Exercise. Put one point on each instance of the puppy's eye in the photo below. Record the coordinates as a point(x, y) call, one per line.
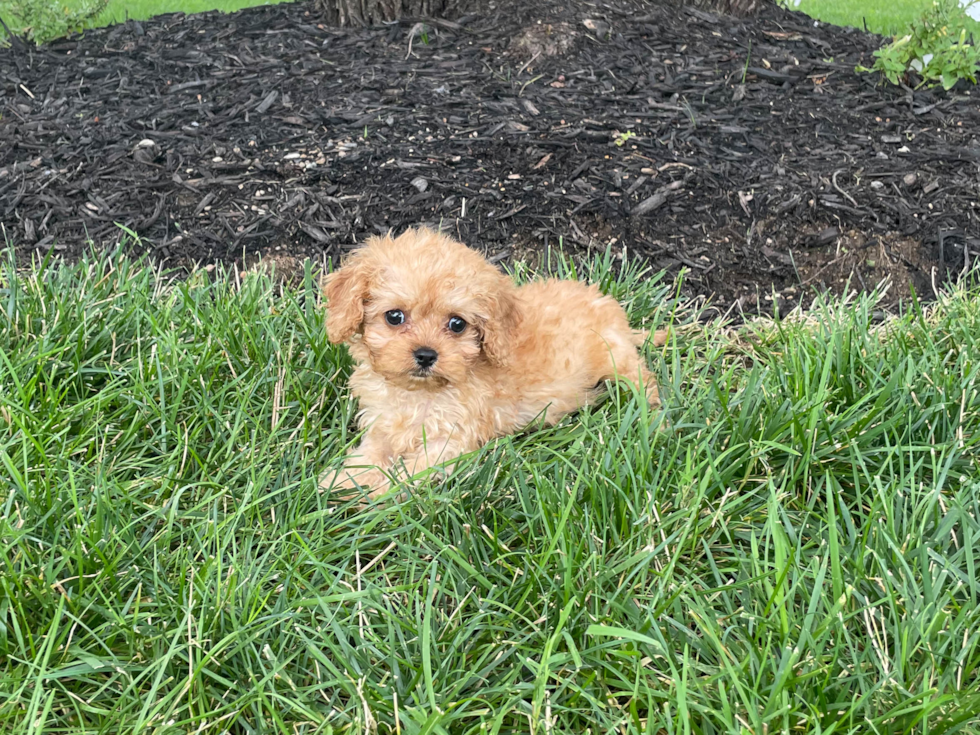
point(456, 325)
point(395, 317)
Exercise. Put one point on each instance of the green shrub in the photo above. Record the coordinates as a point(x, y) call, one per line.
point(44, 20)
point(936, 47)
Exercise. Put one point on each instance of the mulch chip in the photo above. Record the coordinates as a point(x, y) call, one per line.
point(748, 152)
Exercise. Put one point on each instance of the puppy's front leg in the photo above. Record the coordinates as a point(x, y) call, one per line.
point(434, 451)
point(364, 467)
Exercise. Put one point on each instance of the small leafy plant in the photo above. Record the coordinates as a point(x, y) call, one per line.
point(936, 47)
point(623, 138)
point(41, 21)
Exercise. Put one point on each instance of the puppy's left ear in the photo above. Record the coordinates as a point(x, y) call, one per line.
point(346, 290)
point(502, 320)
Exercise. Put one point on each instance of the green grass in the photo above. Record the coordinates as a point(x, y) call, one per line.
point(796, 551)
point(118, 11)
point(888, 18)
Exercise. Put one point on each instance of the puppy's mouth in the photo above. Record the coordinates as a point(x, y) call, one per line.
point(424, 374)
point(425, 377)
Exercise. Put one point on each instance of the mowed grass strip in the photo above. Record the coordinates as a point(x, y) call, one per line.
point(891, 18)
point(119, 11)
point(791, 547)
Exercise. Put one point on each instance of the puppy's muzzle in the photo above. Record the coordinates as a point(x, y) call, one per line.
point(425, 357)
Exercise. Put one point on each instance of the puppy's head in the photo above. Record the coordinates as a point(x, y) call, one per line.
point(422, 309)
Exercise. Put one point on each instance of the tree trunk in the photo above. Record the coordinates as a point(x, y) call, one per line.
point(738, 8)
point(372, 12)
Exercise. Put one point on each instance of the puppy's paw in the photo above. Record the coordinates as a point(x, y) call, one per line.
point(350, 483)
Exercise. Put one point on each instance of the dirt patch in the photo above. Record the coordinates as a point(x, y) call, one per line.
point(748, 152)
point(544, 39)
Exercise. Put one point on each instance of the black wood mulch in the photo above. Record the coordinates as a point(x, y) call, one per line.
point(264, 134)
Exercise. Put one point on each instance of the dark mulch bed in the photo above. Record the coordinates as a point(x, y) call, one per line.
point(265, 135)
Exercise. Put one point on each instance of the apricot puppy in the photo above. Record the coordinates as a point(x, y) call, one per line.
point(450, 353)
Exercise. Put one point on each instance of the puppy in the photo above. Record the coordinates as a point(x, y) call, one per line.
point(450, 353)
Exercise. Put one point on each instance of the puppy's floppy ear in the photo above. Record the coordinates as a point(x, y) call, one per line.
point(346, 291)
point(501, 321)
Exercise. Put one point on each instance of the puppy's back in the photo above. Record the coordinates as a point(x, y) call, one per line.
point(572, 337)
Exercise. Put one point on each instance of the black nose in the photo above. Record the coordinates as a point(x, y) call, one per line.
point(425, 357)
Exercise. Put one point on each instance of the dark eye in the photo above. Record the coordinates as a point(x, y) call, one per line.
point(456, 325)
point(395, 317)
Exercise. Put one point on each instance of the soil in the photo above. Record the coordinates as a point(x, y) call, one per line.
point(748, 152)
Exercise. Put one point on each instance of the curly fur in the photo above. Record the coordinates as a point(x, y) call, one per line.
point(534, 352)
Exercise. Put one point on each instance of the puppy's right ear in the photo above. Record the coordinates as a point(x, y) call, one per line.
point(346, 291)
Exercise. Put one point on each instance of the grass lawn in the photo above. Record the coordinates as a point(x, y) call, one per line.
point(118, 11)
point(888, 18)
point(796, 550)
